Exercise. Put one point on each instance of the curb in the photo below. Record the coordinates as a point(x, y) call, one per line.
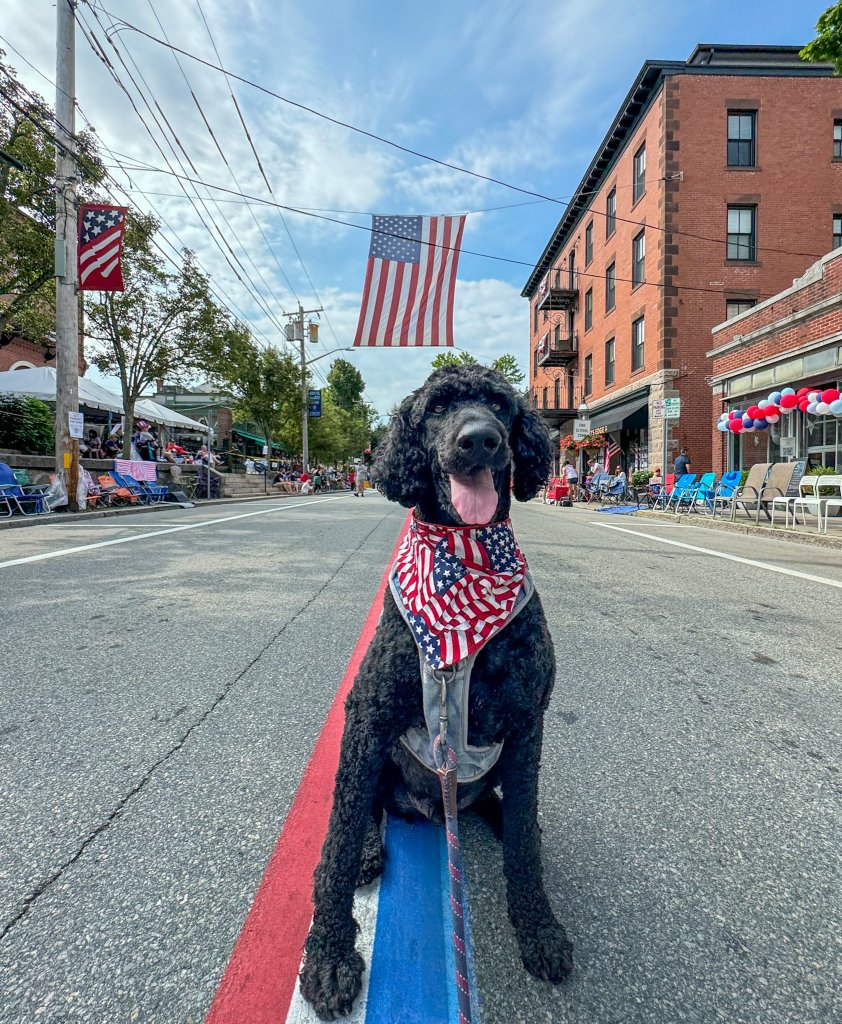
point(816, 540)
point(80, 517)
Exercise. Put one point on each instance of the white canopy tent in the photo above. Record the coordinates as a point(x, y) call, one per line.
point(40, 382)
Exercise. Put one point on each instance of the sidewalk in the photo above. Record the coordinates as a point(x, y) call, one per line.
point(802, 534)
point(55, 518)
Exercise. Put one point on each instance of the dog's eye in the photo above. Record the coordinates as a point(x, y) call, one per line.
point(496, 407)
point(438, 409)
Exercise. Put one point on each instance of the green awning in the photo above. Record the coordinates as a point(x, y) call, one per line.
point(256, 437)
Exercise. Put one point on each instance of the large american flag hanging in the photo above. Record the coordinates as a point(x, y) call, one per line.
point(612, 449)
point(458, 586)
point(409, 281)
point(100, 243)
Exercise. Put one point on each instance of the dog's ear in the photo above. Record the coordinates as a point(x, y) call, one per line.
point(531, 455)
point(401, 469)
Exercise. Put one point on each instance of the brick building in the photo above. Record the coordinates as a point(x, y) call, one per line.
point(718, 182)
point(793, 339)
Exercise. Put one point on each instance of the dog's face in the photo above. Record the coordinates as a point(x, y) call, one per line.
point(455, 445)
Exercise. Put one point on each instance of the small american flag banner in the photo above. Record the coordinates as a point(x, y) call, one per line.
point(100, 243)
point(612, 449)
point(409, 281)
point(458, 586)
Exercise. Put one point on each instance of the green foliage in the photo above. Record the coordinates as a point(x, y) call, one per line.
point(269, 394)
point(346, 385)
point(338, 435)
point(827, 46)
point(164, 325)
point(448, 358)
point(27, 206)
point(641, 477)
point(823, 471)
point(508, 367)
point(26, 425)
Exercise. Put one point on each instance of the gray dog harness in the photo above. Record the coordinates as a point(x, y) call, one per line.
point(446, 696)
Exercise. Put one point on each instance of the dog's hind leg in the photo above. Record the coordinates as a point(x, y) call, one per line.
point(489, 807)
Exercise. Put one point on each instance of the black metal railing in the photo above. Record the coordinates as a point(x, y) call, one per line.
point(557, 351)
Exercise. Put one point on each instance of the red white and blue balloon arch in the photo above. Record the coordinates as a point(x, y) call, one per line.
point(816, 402)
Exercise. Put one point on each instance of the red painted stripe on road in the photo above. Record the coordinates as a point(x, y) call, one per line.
point(261, 975)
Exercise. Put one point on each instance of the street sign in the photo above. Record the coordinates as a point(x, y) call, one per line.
point(666, 408)
point(581, 429)
point(658, 409)
point(314, 404)
point(76, 423)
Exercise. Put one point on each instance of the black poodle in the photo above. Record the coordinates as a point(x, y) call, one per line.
point(455, 449)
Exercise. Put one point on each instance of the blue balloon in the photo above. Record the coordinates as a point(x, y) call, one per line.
point(787, 391)
point(760, 424)
point(836, 407)
point(737, 414)
point(748, 421)
point(775, 397)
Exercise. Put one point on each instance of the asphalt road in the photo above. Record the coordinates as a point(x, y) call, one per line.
point(160, 697)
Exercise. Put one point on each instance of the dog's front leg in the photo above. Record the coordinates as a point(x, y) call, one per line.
point(544, 946)
point(377, 712)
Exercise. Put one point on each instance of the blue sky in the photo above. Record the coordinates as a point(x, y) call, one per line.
point(519, 91)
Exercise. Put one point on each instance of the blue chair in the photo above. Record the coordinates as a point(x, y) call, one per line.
point(15, 495)
point(133, 487)
point(155, 491)
point(699, 493)
point(683, 484)
point(723, 492)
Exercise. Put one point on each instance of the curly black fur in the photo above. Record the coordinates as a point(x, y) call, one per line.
point(510, 689)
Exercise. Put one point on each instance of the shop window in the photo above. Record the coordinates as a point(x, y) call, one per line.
point(611, 212)
point(741, 138)
point(742, 233)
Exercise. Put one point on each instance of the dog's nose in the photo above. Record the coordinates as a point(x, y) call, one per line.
point(478, 439)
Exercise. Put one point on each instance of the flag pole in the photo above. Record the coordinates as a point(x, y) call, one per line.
point(66, 245)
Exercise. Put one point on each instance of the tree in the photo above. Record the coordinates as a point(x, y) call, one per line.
point(163, 325)
point(27, 207)
point(507, 366)
point(26, 425)
point(346, 385)
point(447, 358)
point(269, 389)
point(827, 46)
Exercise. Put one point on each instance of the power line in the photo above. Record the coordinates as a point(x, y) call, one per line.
point(426, 156)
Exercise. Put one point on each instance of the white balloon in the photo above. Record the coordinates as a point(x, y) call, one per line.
point(836, 407)
point(812, 407)
point(772, 419)
point(822, 408)
point(813, 396)
point(787, 391)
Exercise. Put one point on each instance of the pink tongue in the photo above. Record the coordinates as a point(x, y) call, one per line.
point(474, 497)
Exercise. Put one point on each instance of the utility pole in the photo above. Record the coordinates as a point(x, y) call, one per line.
point(297, 333)
point(66, 246)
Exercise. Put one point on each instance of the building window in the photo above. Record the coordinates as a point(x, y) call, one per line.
point(535, 363)
point(589, 309)
point(637, 345)
point(837, 140)
point(557, 392)
point(589, 243)
point(742, 242)
point(544, 395)
point(837, 230)
point(610, 282)
point(639, 179)
point(733, 307)
point(588, 374)
point(639, 259)
point(611, 213)
point(741, 135)
point(609, 361)
point(535, 315)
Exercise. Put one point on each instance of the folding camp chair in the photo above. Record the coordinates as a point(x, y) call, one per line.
point(111, 487)
point(132, 485)
point(723, 492)
point(683, 486)
point(776, 485)
point(748, 496)
point(19, 497)
point(700, 494)
point(154, 492)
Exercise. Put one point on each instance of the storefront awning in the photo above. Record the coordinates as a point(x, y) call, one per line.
point(257, 438)
point(614, 415)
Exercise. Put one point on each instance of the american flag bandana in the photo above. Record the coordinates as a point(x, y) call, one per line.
point(458, 586)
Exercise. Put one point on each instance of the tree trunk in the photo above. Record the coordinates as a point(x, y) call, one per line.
point(128, 430)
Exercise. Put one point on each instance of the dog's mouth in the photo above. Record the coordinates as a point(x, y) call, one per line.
point(474, 496)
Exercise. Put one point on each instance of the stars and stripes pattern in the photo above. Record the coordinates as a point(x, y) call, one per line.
point(410, 281)
point(100, 244)
point(458, 586)
point(612, 449)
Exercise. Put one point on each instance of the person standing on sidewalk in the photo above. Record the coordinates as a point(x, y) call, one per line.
point(682, 464)
point(572, 478)
point(361, 478)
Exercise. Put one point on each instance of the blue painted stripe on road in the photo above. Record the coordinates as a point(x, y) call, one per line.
point(409, 975)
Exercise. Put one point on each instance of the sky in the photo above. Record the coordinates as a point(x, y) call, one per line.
point(520, 91)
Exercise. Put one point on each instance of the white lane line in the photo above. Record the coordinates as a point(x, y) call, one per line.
point(155, 533)
point(730, 558)
point(661, 526)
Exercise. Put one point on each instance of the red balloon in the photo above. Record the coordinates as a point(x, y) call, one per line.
point(789, 401)
point(801, 392)
point(830, 395)
point(802, 405)
point(754, 412)
point(770, 410)
point(732, 415)
point(736, 426)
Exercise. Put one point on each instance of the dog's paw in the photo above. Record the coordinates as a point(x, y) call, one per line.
point(371, 863)
point(331, 984)
point(546, 951)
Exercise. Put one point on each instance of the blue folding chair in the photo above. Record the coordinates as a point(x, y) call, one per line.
point(133, 487)
point(155, 491)
point(666, 501)
point(17, 496)
point(698, 493)
point(723, 492)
